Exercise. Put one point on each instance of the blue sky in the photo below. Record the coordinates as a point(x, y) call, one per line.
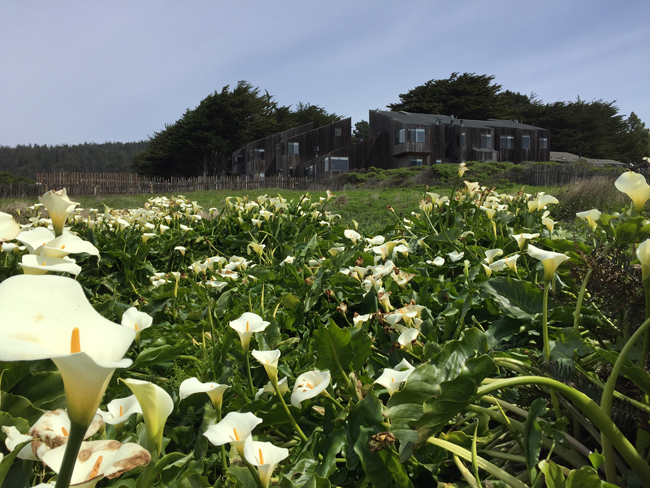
point(79, 71)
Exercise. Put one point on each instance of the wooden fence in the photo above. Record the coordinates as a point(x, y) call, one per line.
point(132, 184)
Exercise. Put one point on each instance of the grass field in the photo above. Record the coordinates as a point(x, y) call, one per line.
point(368, 207)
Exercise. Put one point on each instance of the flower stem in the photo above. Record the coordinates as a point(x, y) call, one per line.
point(76, 437)
point(248, 370)
point(547, 349)
point(332, 399)
point(300, 433)
point(224, 461)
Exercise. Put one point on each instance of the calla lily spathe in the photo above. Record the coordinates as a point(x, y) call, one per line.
point(247, 325)
point(9, 228)
point(392, 379)
point(53, 429)
point(591, 216)
point(14, 438)
point(265, 456)
point(49, 317)
point(308, 385)
point(234, 429)
point(269, 359)
point(550, 260)
point(634, 185)
point(136, 320)
point(59, 206)
point(98, 460)
point(40, 265)
point(156, 406)
point(643, 253)
point(214, 390)
point(120, 409)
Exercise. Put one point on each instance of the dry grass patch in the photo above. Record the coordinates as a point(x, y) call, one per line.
point(597, 192)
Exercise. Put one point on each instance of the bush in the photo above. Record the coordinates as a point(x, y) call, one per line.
point(8, 178)
point(597, 192)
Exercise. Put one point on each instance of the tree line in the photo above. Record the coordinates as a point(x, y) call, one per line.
point(28, 160)
point(202, 140)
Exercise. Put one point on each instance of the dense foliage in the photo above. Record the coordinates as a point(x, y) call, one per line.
point(473, 341)
point(109, 157)
point(202, 141)
point(589, 129)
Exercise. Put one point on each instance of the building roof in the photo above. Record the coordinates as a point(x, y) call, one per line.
point(431, 119)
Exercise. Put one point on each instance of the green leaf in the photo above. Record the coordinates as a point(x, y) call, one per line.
point(290, 301)
point(585, 477)
point(8, 460)
point(160, 354)
point(368, 412)
point(19, 407)
point(7, 420)
point(317, 482)
point(552, 474)
point(42, 388)
point(520, 299)
point(382, 467)
point(533, 437)
point(446, 236)
point(334, 351)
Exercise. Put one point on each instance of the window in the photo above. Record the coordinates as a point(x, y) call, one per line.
point(415, 135)
point(506, 142)
point(337, 131)
point(416, 162)
point(340, 164)
point(293, 148)
point(324, 165)
point(258, 154)
point(525, 142)
point(462, 140)
point(486, 141)
point(438, 161)
point(400, 136)
point(543, 143)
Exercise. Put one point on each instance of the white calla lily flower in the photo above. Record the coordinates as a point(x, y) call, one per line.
point(522, 238)
point(120, 409)
point(455, 256)
point(247, 325)
point(9, 228)
point(49, 317)
point(35, 238)
point(65, 244)
point(634, 185)
point(643, 253)
point(14, 438)
point(59, 206)
point(234, 429)
point(352, 235)
point(392, 379)
point(407, 337)
point(308, 385)
point(214, 390)
point(591, 216)
point(99, 459)
point(52, 430)
point(265, 456)
point(136, 320)
point(33, 264)
point(490, 254)
point(269, 359)
point(550, 260)
point(156, 406)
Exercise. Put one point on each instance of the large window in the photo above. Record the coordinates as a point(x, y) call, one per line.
point(543, 143)
point(462, 140)
point(507, 142)
point(293, 148)
point(415, 135)
point(416, 162)
point(340, 164)
point(258, 153)
point(400, 136)
point(525, 142)
point(486, 141)
point(337, 131)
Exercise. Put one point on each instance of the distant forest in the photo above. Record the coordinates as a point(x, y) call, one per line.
point(109, 157)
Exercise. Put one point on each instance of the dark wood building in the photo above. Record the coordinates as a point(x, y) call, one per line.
point(424, 140)
point(397, 140)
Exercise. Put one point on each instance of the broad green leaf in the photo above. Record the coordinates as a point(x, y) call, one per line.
point(552, 474)
point(20, 407)
point(369, 413)
point(161, 354)
point(446, 236)
point(42, 388)
point(585, 477)
point(533, 437)
point(516, 295)
point(334, 351)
